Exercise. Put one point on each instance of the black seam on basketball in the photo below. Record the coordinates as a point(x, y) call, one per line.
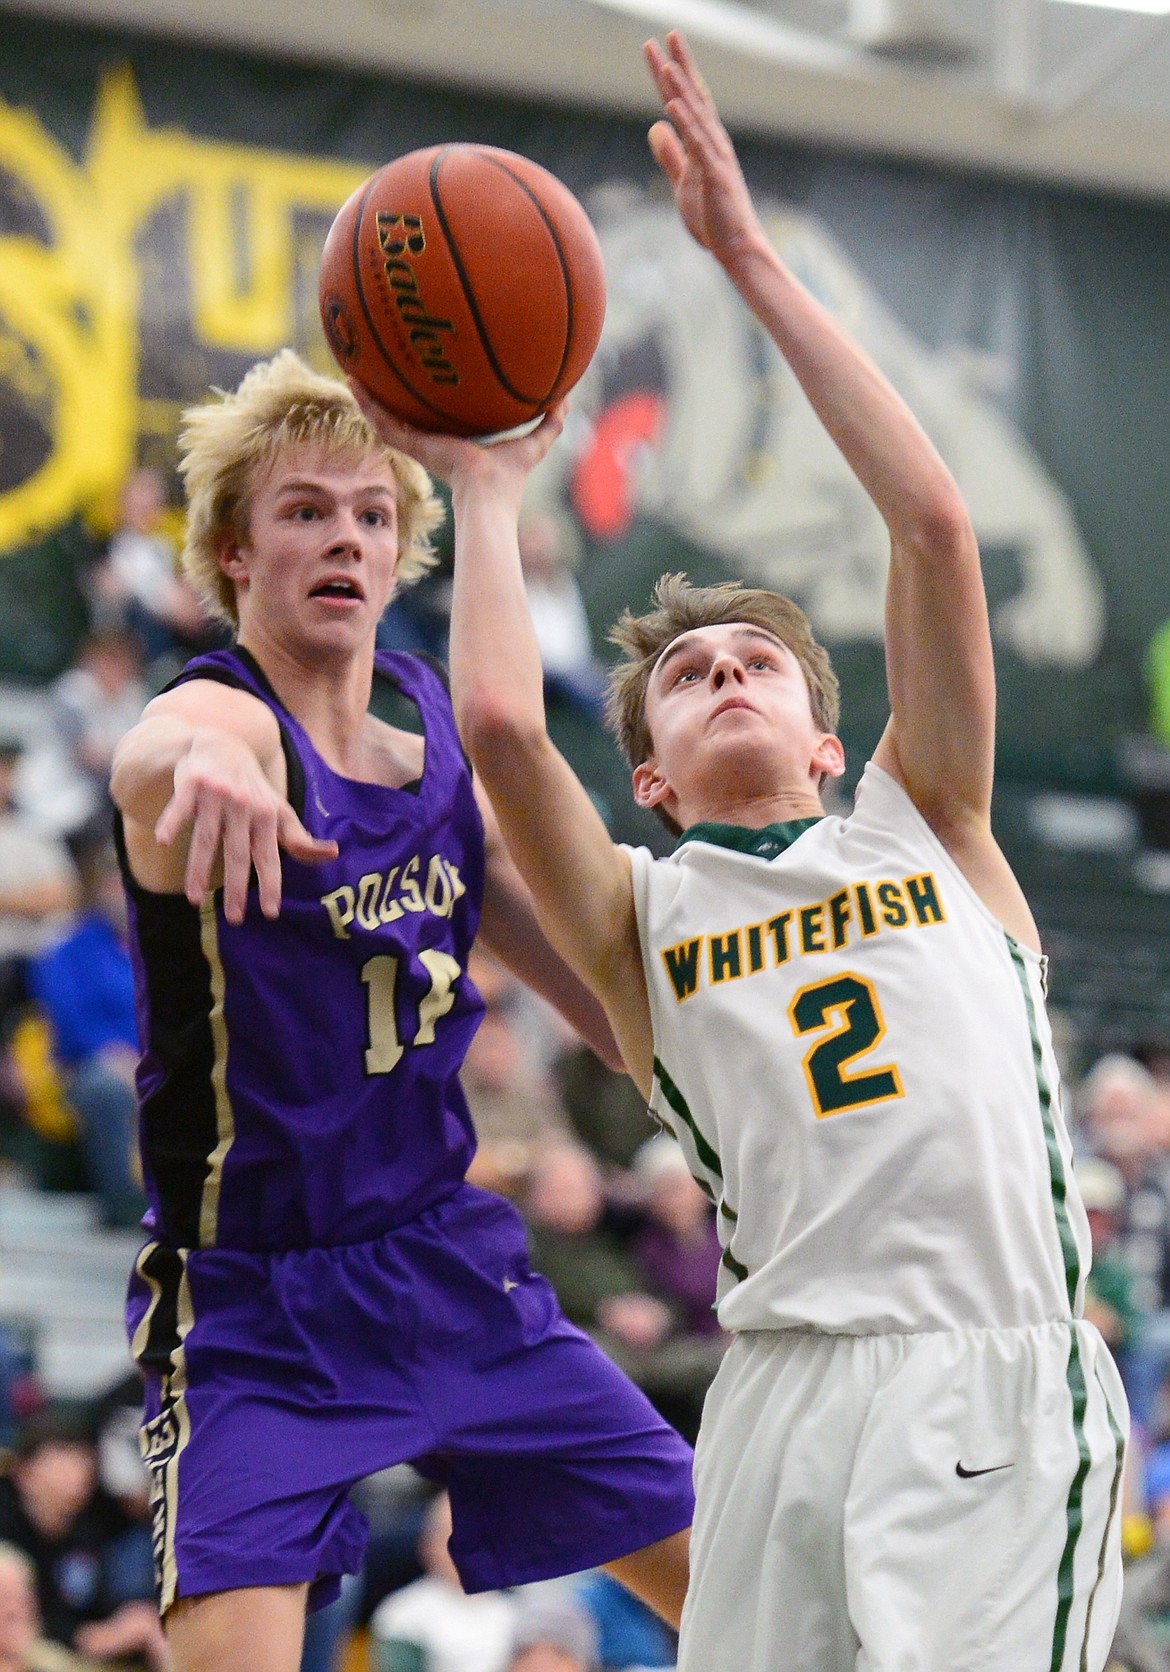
point(465, 282)
point(447, 417)
point(496, 162)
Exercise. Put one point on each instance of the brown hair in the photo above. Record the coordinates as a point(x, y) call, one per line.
point(226, 443)
point(678, 608)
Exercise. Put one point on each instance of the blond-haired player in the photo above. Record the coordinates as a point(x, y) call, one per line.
point(911, 1454)
point(322, 1294)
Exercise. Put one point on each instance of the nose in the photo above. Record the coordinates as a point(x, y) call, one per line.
point(348, 536)
point(725, 667)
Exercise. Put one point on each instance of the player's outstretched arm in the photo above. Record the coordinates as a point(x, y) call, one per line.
point(580, 882)
point(939, 650)
point(200, 783)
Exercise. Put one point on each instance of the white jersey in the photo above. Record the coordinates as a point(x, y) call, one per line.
point(855, 1058)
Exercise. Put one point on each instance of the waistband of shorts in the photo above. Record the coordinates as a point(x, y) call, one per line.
point(261, 1251)
point(810, 1332)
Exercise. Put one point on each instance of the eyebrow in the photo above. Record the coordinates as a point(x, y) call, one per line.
point(679, 646)
point(298, 484)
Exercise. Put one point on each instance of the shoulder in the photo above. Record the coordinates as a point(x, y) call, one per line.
point(220, 695)
point(405, 666)
point(232, 666)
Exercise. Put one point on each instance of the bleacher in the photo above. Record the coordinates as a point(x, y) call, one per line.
point(62, 1285)
point(1102, 903)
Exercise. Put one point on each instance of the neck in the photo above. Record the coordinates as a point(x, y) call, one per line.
point(329, 695)
point(753, 812)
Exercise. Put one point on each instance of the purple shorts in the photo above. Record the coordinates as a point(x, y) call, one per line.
point(275, 1381)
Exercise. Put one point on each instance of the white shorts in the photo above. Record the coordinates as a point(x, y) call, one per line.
point(908, 1503)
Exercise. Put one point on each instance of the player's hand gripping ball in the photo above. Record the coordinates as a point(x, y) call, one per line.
point(464, 287)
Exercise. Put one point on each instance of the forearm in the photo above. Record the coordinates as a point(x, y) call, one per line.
point(142, 778)
point(509, 927)
point(880, 438)
point(497, 681)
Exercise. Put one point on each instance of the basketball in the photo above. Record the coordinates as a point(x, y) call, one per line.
point(464, 287)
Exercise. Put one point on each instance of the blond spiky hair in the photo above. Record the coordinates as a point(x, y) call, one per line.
point(678, 608)
point(226, 443)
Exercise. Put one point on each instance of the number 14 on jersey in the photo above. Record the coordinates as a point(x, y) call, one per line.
point(380, 975)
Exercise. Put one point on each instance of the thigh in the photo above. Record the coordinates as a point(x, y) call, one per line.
point(982, 1522)
point(257, 1630)
point(265, 1402)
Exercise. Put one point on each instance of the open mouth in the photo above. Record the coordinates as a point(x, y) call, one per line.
point(338, 587)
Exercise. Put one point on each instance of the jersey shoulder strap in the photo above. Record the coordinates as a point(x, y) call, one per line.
point(238, 668)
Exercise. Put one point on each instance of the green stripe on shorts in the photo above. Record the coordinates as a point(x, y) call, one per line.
point(1114, 1494)
point(1075, 1510)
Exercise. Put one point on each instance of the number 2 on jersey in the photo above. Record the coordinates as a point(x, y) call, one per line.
point(380, 975)
point(848, 1004)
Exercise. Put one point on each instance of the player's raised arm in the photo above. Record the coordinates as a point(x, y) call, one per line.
point(510, 928)
point(580, 882)
point(200, 783)
point(941, 737)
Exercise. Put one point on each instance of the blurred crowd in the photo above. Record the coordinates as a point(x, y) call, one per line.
point(616, 1223)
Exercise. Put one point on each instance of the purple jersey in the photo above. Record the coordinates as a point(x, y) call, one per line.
point(299, 1078)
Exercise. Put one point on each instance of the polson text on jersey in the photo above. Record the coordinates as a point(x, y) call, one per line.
point(854, 913)
point(381, 897)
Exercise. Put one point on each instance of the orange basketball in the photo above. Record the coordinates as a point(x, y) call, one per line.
point(464, 286)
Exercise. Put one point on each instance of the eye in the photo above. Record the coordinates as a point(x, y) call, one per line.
point(376, 517)
point(760, 660)
point(684, 675)
point(304, 513)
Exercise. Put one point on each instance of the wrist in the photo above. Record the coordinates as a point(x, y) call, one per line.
point(749, 252)
point(483, 483)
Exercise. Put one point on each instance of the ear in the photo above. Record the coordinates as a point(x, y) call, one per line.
point(828, 757)
point(231, 559)
point(650, 787)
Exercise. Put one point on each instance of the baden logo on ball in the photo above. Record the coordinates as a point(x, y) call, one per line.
point(464, 286)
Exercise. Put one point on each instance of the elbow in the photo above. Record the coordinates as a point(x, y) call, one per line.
point(498, 732)
point(120, 779)
point(941, 527)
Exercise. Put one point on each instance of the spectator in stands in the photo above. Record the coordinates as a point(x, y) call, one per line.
point(129, 1564)
point(606, 1110)
point(38, 886)
point(22, 1648)
point(137, 585)
point(514, 1108)
point(85, 986)
point(553, 1633)
point(53, 1508)
point(1138, 1644)
point(577, 1240)
point(547, 556)
point(596, 1281)
point(678, 1249)
point(432, 1625)
point(677, 1252)
point(1121, 1112)
point(92, 704)
point(1109, 1301)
